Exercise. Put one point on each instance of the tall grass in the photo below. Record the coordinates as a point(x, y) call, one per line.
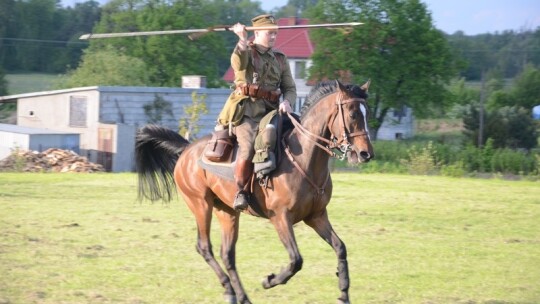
point(83, 238)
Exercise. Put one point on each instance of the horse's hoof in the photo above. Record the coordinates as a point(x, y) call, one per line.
point(266, 282)
point(231, 299)
point(340, 301)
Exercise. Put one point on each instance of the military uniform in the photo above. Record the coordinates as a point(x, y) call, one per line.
point(269, 70)
point(273, 73)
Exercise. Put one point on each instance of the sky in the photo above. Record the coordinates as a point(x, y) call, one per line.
point(470, 16)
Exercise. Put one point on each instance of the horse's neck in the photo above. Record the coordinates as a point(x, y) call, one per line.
point(310, 156)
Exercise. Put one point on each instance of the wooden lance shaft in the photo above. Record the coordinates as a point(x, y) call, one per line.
point(218, 29)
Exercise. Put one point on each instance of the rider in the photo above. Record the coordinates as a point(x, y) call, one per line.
point(261, 75)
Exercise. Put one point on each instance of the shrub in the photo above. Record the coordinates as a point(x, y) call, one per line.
point(456, 169)
point(422, 161)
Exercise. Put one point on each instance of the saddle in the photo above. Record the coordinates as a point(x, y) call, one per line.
point(219, 156)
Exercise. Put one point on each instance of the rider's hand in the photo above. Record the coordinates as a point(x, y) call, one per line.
point(240, 30)
point(285, 107)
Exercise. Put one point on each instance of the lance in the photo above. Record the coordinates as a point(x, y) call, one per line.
point(197, 32)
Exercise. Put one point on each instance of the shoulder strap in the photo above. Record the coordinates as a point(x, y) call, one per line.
point(280, 58)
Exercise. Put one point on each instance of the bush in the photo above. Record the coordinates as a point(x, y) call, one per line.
point(513, 162)
point(415, 157)
point(422, 161)
point(456, 169)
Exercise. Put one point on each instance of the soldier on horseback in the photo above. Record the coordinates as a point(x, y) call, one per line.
point(261, 75)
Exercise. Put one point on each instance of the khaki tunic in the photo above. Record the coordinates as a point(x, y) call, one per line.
point(245, 112)
point(273, 72)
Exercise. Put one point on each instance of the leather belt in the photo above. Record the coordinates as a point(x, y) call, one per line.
point(253, 90)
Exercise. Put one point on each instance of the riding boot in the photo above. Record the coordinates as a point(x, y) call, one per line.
point(242, 175)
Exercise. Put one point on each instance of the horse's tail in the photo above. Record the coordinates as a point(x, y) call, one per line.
point(156, 151)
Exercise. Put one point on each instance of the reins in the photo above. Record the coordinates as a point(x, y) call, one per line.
point(343, 145)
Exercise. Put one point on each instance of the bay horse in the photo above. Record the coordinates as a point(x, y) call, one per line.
point(333, 119)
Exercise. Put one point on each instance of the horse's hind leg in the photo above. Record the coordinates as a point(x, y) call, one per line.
point(203, 215)
point(229, 221)
point(322, 226)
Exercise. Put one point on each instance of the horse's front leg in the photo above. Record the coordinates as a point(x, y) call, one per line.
point(322, 226)
point(284, 228)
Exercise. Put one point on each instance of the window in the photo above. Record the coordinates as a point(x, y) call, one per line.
point(299, 69)
point(77, 111)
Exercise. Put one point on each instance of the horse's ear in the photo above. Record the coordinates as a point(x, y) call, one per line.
point(339, 85)
point(365, 86)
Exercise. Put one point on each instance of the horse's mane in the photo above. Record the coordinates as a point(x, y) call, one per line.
point(325, 88)
point(321, 90)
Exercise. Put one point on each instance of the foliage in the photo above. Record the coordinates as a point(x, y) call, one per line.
point(456, 169)
point(167, 57)
point(525, 91)
point(41, 36)
point(508, 52)
point(397, 46)
point(421, 157)
point(297, 8)
point(107, 66)
point(511, 127)
point(421, 161)
point(463, 94)
point(188, 125)
point(156, 110)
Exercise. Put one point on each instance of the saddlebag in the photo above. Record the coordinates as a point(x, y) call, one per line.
point(219, 147)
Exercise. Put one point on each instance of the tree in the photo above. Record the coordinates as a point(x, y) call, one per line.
point(41, 36)
point(507, 52)
point(409, 61)
point(525, 91)
point(167, 57)
point(188, 125)
point(107, 66)
point(507, 127)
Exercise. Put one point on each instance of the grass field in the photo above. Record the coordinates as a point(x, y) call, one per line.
point(30, 82)
point(83, 238)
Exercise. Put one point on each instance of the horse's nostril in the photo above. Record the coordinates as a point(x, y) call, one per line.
point(365, 155)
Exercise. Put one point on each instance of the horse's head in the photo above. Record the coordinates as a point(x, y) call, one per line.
point(348, 124)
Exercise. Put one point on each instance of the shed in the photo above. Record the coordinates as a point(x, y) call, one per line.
point(107, 118)
point(35, 139)
point(397, 124)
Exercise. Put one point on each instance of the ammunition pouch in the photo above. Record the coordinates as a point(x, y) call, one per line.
point(253, 90)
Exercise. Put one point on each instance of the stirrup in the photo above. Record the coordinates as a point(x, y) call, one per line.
point(241, 200)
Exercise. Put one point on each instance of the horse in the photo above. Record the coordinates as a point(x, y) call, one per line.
point(333, 124)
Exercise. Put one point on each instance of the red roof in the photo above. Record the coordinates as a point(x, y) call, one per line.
point(294, 43)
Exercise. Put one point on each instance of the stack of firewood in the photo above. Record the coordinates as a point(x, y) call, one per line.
point(50, 160)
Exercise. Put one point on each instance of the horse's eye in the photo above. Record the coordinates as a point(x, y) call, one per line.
point(353, 114)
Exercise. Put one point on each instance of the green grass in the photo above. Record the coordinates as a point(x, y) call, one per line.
point(30, 82)
point(83, 238)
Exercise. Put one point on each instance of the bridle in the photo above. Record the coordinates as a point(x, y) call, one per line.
point(334, 143)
